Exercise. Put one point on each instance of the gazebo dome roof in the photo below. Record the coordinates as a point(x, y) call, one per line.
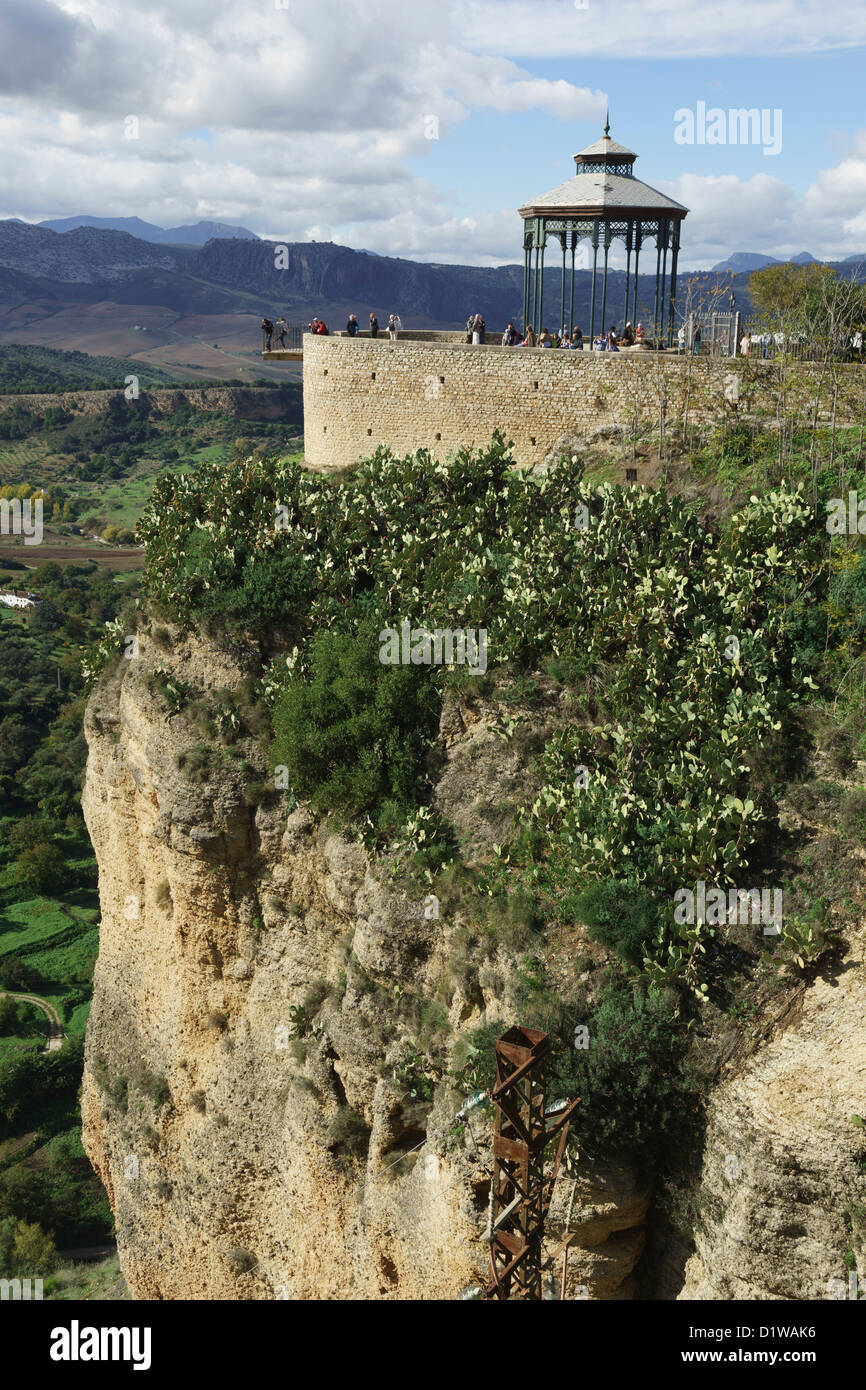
point(598, 190)
point(604, 183)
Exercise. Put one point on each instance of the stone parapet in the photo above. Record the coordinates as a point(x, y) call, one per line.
point(409, 394)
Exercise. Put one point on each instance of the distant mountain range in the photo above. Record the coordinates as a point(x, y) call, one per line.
point(102, 290)
point(746, 261)
point(244, 274)
point(196, 234)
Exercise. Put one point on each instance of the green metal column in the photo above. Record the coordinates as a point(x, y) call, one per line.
point(673, 298)
point(535, 283)
point(563, 236)
point(604, 281)
point(627, 273)
point(658, 269)
point(540, 324)
point(664, 274)
point(594, 267)
point(636, 263)
point(571, 301)
point(527, 275)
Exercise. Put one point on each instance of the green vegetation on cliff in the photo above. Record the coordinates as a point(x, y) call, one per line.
point(684, 644)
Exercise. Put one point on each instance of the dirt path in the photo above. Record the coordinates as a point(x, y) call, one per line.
point(55, 1039)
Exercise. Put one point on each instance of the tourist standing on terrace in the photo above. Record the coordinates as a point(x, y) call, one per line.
point(374, 326)
point(282, 330)
point(352, 326)
point(268, 330)
point(479, 328)
point(394, 326)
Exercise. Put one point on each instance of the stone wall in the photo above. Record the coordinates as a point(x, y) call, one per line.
point(359, 393)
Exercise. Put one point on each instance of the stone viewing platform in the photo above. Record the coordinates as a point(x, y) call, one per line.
point(442, 394)
point(435, 337)
point(431, 389)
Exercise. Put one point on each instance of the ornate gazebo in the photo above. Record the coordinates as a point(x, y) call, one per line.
point(601, 202)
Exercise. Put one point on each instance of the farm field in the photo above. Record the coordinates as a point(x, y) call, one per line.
point(96, 473)
point(191, 347)
point(100, 469)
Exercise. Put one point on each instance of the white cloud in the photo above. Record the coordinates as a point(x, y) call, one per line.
point(652, 28)
point(302, 121)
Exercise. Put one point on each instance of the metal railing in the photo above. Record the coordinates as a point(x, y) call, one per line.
point(719, 333)
point(289, 339)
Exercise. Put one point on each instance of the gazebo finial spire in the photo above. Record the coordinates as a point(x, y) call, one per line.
point(607, 124)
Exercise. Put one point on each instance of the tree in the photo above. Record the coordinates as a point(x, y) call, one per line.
point(785, 297)
point(16, 974)
point(46, 617)
point(42, 868)
point(10, 1018)
point(31, 831)
point(33, 1250)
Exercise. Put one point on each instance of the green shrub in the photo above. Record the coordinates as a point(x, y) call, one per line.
point(853, 815)
point(353, 732)
point(175, 692)
point(634, 1089)
point(348, 1132)
point(473, 1059)
point(621, 917)
point(25, 1249)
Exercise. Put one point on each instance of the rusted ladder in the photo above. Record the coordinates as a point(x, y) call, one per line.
point(521, 1194)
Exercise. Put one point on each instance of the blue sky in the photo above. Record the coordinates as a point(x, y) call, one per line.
point(309, 121)
point(512, 156)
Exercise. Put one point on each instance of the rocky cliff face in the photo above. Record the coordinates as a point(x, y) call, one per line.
point(245, 1162)
point(241, 1162)
point(781, 1202)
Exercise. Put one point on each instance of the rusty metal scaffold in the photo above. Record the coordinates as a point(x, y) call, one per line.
point(520, 1192)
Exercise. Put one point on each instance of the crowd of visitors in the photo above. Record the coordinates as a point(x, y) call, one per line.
point(476, 331)
point(751, 344)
